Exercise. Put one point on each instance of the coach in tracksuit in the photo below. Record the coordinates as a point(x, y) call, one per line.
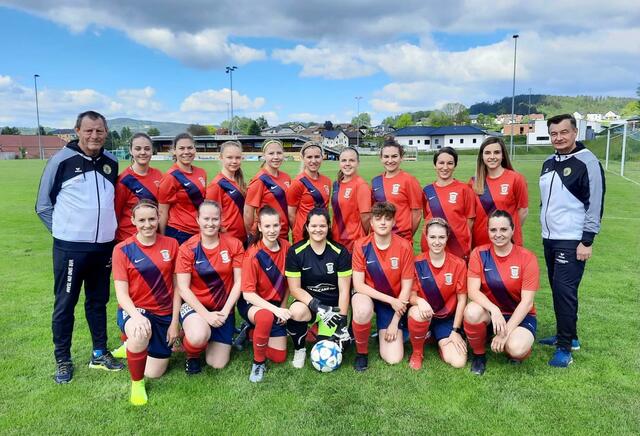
point(76, 204)
point(572, 191)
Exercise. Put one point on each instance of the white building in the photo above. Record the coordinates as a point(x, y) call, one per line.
point(432, 138)
point(540, 135)
point(594, 117)
point(611, 116)
point(334, 139)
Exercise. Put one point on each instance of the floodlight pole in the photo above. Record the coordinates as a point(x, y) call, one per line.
point(229, 71)
point(606, 157)
point(624, 148)
point(35, 85)
point(358, 121)
point(513, 92)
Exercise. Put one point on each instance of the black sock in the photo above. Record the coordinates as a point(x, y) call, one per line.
point(298, 332)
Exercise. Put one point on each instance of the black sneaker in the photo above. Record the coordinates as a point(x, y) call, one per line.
point(478, 364)
point(193, 366)
point(64, 372)
point(361, 363)
point(106, 361)
point(241, 338)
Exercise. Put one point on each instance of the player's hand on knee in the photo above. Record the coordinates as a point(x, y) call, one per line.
point(498, 322)
point(173, 332)
point(400, 307)
point(424, 309)
point(141, 327)
point(282, 314)
point(392, 332)
point(498, 342)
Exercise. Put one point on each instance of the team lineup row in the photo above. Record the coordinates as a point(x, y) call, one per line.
point(367, 251)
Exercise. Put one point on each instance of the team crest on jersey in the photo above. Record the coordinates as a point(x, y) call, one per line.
point(448, 278)
point(157, 183)
point(453, 196)
point(202, 181)
point(566, 171)
point(347, 193)
point(287, 184)
point(326, 189)
point(165, 255)
point(504, 189)
point(330, 268)
point(224, 255)
point(515, 272)
point(106, 168)
point(395, 263)
point(395, 189)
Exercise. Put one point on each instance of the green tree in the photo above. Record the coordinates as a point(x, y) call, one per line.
point(254, 129)
point(631, 109)
point(153, 132)
point(403, 120)
point(439, 119)
point(262, 122)
point(389, 121)
point(125, 136)
point(328, 125)
point(211, 129)
point(364, 119)
point(197, 130)
point(10, 131)
point(113, 140)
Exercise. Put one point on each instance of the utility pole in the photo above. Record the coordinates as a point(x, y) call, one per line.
point(513, 91)
point(35, 85)
point(229, 70)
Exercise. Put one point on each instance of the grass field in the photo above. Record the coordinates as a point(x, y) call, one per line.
point(598, 394)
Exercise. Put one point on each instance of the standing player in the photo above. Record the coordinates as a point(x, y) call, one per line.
point(149, 308)
point(76, 204)
point(228, 189)
point(181, 192)
point(137, 182)
point(269, 188)
point(319, 275)
point(438, 299)
point(350, 201)
point(209, 268)
point(398, 188)
point(265, 293)
point(309, 189)
point(451, 200)
point(502, 282)
point(497, 186)
point(572, 190)
point(382, 279)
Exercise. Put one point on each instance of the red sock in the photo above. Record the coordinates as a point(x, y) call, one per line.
point(477, 336)
point(418, 334)
point(361, 333)
point(192, 351)
point(264, 320)
point(136, 363)
point(275, 355)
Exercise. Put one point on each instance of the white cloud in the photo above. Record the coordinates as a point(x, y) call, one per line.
point(212, 100)
point(327, 62)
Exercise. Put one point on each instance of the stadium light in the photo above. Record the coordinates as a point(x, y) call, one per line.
point(358, 121)
point(35, 85)
point(513, 92)
point(229, 70)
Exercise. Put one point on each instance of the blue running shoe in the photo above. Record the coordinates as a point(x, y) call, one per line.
point(64, 372)
point(553, 341)
point(561, 358)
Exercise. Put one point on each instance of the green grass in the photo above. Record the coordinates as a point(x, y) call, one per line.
point(599, 393)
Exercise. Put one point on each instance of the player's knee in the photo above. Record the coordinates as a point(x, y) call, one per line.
point(518, 350)
point(198, 337)
point(414, 313)
point(473, 313)
point(393, 359)
point(457, 360)
point(217, 363)
point(361, 313)
point(154, 372)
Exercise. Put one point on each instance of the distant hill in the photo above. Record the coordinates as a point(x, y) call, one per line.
point(165, 128)
point(551, 105)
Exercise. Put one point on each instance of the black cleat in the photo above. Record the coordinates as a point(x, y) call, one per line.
point(478, 364)
point(241, 338)
point(192, 366)
point(361, 363)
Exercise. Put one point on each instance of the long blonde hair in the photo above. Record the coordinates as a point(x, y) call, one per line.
point(481, 168)
point(238, 176)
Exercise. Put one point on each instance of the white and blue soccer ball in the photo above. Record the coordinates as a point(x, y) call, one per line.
point(326, 356)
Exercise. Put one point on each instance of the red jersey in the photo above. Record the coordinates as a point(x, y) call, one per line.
point(441, 286)
point(131, 188)
point(384, 269)
point(504, 278)
point(306, 194)
point(263, 271)
point(183, 192)
point(211, 270)
point(231, 199)
point(349, 200)
point(267, 190)
point(148, 271)
point(456, 204)
point(506, 192)
point(403, 191)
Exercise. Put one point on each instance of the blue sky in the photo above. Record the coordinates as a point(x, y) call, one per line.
point(306, 61)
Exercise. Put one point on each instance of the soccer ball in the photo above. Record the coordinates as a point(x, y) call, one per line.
point(326, 356)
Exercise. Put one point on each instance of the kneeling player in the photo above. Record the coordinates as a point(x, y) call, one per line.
point(319, 275)
point(382, 279)
point(149, 308)
point(208, 273)
point(438, 299)
point(502, 282)
point(265, 293)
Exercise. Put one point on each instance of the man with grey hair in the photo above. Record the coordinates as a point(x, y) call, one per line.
point(76, 204)
point(572, 188)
